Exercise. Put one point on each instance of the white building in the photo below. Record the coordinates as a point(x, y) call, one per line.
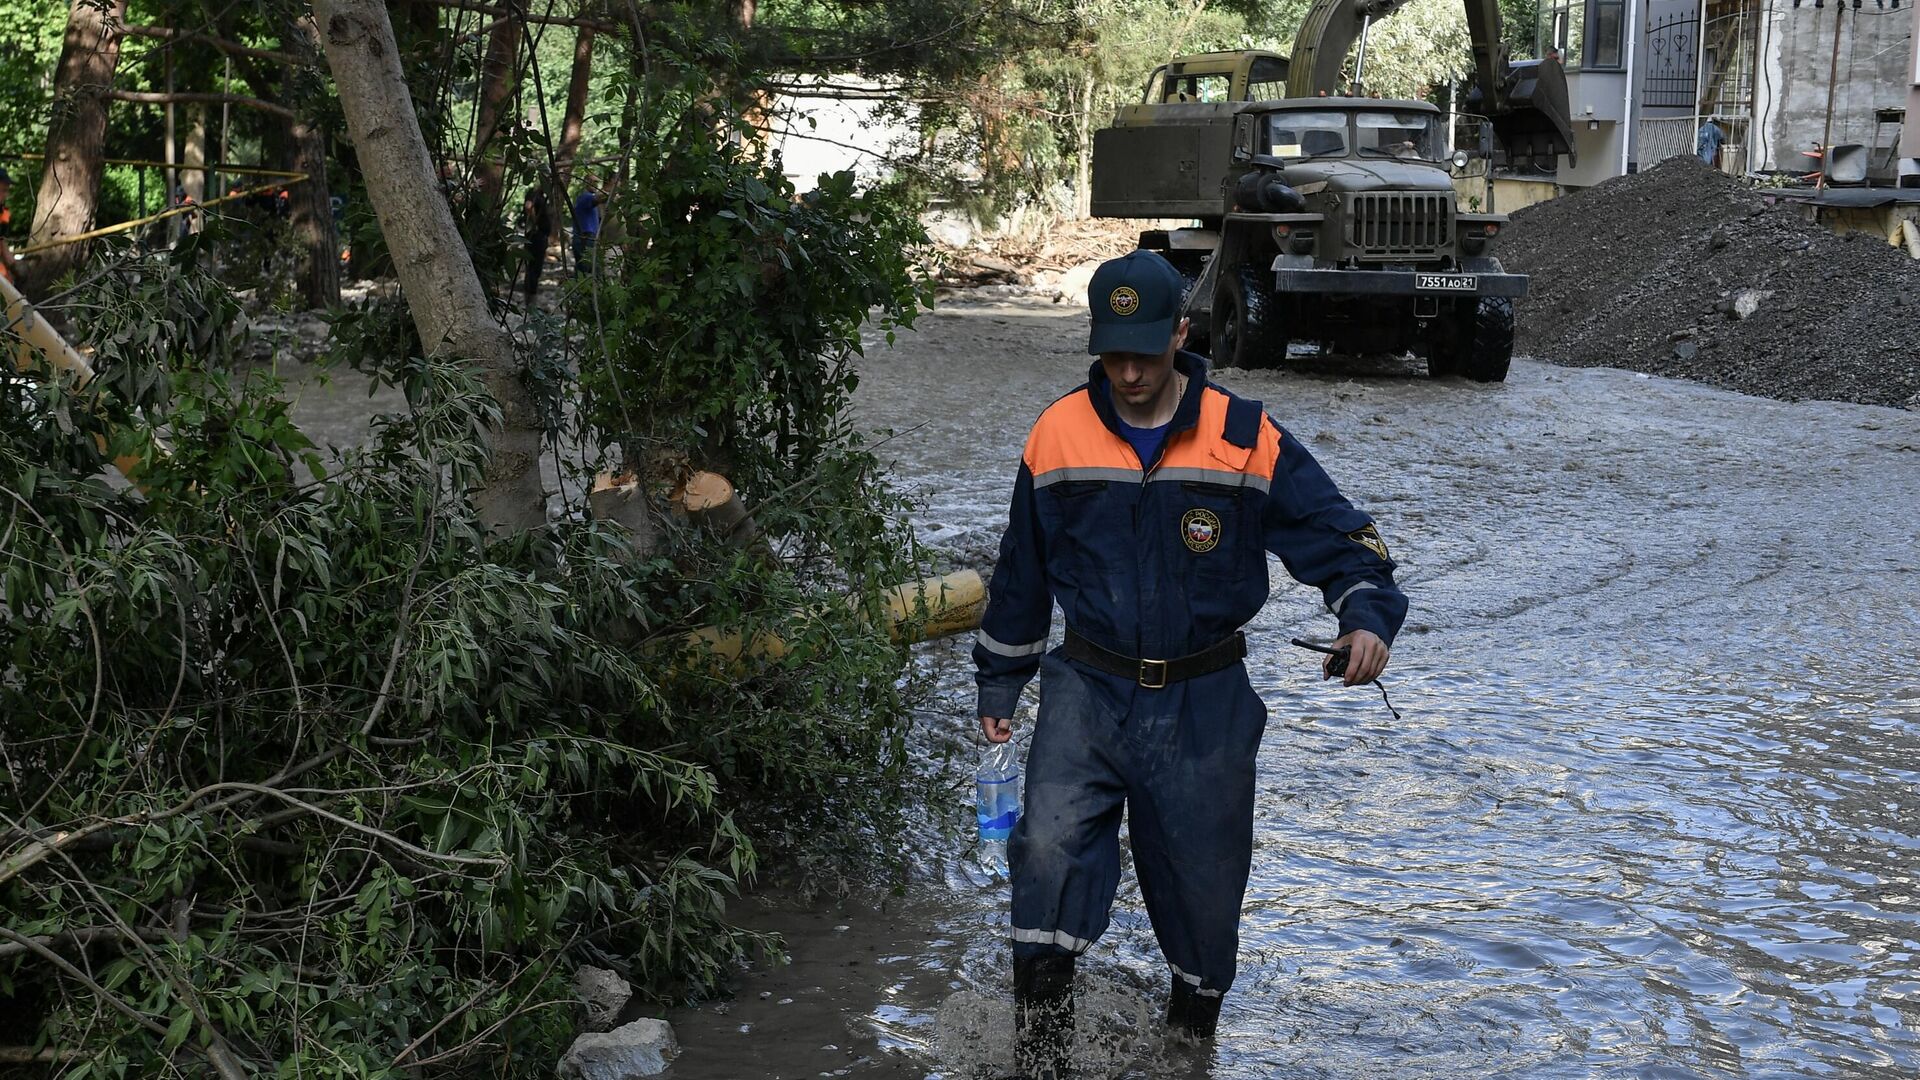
point(1644, 75)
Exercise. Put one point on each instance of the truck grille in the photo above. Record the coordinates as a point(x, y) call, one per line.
point(1396, 224)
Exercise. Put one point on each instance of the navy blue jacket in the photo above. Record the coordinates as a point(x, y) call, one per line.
point(1162, 561)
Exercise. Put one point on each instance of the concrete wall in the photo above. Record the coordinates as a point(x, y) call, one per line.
point(823, 135)
point(1600, 149)
point(1501, 194)
point(1910, 132)
point(1875, 71)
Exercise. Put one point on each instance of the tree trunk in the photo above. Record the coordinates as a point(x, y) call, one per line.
point(70, 183)
point(1083, 164)
point(193, 154)
point(311, 209)
point(311, 216)
point(166, 122)
point(574, 122)
point(436, 274)
point(496, 94)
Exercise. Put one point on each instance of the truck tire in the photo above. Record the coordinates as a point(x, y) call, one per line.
point(1475, 340)
point(1490, 352)
point(1246, 331)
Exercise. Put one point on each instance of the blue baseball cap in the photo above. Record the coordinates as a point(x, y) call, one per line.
point(1135, 304)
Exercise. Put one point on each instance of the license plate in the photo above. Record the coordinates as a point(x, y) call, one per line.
point(1446, 282)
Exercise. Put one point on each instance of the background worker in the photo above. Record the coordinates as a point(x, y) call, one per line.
point(539, 231)
point(586, 224)
point(1145, 504)
point(189, 222)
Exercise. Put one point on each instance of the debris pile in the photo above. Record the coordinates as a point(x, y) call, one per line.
point(1686, 272)
point(1043, 257)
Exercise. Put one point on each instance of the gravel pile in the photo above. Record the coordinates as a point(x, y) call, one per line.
point(1686, 272)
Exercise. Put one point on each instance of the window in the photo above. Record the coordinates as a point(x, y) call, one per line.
point(1182, 87)
point(1306, 134)
point(1604, 43)
point(1564, 23)
point(1267, 79)
point(1402, 134)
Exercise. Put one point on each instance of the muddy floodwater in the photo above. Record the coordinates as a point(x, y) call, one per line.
point(1651, 810)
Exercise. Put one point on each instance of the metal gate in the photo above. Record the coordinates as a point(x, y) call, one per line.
point(1672, 62)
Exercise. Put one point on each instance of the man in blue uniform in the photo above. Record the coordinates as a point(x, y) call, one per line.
point(586, 225)
point(1145, 505)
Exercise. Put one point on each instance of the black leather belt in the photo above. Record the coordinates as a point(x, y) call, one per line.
point(1156, 674)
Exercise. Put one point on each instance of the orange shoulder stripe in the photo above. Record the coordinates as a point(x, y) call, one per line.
point(1070, 435)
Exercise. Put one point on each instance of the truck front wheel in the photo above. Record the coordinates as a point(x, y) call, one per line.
point(1475, 340)
point(1491, 352)
point(1246, 330)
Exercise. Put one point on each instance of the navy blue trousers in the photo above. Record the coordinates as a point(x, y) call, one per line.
point(1180, 762)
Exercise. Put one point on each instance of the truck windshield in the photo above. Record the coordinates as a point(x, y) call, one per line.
point(1402, 134)
point(1305, 134)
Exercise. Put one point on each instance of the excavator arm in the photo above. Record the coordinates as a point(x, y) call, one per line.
point(1526, 101)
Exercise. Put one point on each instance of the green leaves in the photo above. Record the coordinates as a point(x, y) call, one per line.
point(359, 786)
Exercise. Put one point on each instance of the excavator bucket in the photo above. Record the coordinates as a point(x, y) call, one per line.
point(1537, 124)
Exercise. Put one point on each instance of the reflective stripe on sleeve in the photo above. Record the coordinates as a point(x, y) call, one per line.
point(1001, 648)
point(1341, 602)
point(1052, 937)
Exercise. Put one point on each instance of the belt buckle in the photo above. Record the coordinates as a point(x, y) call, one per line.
point(1153, 674)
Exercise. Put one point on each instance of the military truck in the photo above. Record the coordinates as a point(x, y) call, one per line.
point(1326, 218)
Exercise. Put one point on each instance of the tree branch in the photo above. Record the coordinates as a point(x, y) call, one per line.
point(189, 98)
point(500, 12)
point(218, 44)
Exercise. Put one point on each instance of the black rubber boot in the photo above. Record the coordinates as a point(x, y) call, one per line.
point(1043, 1016)
point(1193, 1016)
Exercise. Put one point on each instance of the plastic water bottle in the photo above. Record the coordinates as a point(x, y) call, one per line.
point(998, 783)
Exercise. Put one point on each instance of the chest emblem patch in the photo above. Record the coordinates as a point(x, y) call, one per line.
point(1124, 301)
point(1200, 528)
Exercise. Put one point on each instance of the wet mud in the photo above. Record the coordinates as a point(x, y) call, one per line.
point(1650, 811)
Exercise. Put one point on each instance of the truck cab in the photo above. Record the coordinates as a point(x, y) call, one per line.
point(1205, 78)
point(1325, 220)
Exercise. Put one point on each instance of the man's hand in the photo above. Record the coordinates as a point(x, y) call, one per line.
point(1000, 730)
point(1366, 660)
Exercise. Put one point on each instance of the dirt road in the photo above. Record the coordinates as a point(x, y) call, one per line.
point(1651, 810)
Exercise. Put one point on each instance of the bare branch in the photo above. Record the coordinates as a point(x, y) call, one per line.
point(140, 97)
point(500, 12)
point(218, 44)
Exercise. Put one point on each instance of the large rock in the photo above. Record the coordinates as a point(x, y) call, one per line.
point(642, 1048)
point(605, 994)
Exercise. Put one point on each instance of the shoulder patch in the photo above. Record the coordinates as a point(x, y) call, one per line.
point(1369, 537)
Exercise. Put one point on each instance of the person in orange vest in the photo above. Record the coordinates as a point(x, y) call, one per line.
point(1145, 504)
point(6, 219)
point(189, 222)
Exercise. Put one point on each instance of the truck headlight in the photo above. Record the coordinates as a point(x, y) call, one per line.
point(1293, 239)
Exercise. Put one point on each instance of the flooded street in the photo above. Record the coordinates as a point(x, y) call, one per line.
point(1651, 811)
